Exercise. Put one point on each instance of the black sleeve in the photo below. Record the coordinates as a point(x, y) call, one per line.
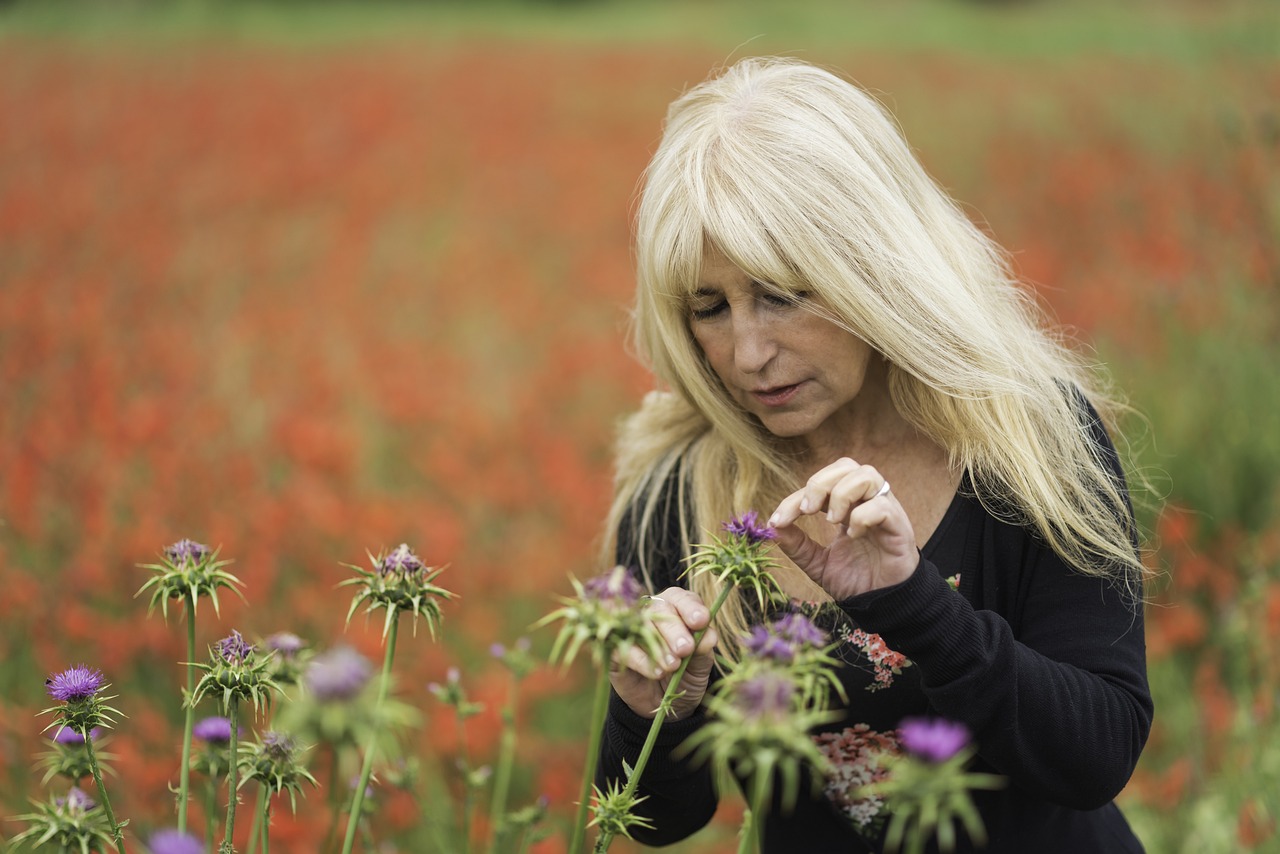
point(678, 799)
point(1060, 705)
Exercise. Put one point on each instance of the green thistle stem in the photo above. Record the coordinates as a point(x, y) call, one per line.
point(753, 824)
point(606, 838)
point(598, 708)
point(184, 787)
point(366, 771)
point(255, 830)
point(502, 777)
point(335, 802)
point(210, 813)
point(264, 818)
point(228, 837)
point(102, 791)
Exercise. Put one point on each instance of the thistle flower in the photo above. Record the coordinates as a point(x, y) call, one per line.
point(66, 823)
point(399, 581)
point(758, 728)
point(287, 644)
point(792, 642)
point(236, 671)
point(926, 790)
point(275, 762)
point(215, 760)
point(338, 674)
point(747, 527)
point(70, 756)
point(605, 612)
point(740, 560)
point(174, 842)
point(233, 649)
point(213, 730)
point(80, 708)
point(933, 739)
point(72, 738)
point(188, 570)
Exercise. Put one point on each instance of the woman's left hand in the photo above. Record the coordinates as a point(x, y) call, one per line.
point(874, 544)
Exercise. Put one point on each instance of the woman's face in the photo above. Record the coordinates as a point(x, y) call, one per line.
point(797, 372)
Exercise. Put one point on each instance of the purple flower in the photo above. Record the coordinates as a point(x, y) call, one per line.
point(175, 842)
point(76, 683)
point(234, 649)
point(185, 551)
point(799, 630)
point(215, 730)
point(763, 643)
point(68, 736)
point(277, 745)
point(77, 801)
point(286, 643)
point(747, 526)
point(765, 696)
point(339, 674)
point(401, 560)
point(616, 587)
point(933, 739)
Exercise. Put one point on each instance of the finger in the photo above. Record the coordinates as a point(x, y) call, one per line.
point(858, 486)
point(817, 491)
point(677, 614)
point(631, 657)
point(866, 516)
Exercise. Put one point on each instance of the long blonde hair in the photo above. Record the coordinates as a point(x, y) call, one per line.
point(804, 181)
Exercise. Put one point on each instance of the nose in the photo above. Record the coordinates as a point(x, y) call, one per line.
point(753, 342)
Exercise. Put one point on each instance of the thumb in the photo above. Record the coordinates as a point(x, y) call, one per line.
point(798, 546)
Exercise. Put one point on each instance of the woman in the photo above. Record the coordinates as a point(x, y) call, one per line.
point(845, 351)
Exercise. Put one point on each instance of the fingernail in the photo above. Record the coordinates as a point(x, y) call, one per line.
point(682, 645)
point(671, 661)
point(773, 520)
point(804, 505)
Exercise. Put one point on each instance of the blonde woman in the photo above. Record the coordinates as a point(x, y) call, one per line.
point(842, 350)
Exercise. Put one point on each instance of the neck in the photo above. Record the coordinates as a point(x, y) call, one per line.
point(866, 428)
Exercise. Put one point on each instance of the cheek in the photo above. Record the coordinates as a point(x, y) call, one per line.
point(717, 348)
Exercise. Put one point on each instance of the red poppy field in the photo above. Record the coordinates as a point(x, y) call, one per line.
point(302, 304)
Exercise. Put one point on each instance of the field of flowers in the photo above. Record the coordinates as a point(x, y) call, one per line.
point(305, 302)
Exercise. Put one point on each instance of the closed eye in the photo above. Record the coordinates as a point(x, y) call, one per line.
point(784, 299)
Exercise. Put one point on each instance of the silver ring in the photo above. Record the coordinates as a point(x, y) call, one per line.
point(884, 490)
point(656, 598)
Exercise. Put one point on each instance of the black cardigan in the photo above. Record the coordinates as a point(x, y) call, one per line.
point(1045, 665)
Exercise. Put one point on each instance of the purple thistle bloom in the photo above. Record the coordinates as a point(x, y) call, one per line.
point(277, 745)
point(933, 739)
point(616, 587)
point(234, 649)
point(215, 730)
point(76, 683)
point(77, 801)
point(763, 643)
point(765, 696)
point(497, 650)
point(747, 526)
point(800, 630)
point(175, 842)
point(339, 674)
point(401, 560)
point(286, 643)
point(66, 735)
point(185, 551)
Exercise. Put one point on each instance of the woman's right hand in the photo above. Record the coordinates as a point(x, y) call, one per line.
point(641, 682)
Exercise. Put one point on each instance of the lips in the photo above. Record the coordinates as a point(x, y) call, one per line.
point(777, 395)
